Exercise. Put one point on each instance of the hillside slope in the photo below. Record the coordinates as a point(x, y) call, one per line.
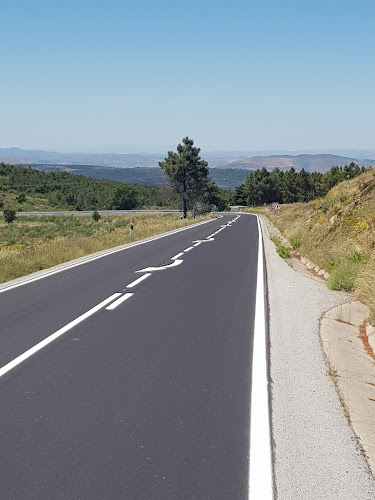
point(337, 232)
point(308, 162)
point(63, 190)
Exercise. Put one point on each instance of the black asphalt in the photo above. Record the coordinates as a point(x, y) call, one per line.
point(148, 401)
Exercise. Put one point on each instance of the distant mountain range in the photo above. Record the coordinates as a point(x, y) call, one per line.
point(309, 162)
point(23, 156)
point(235, 160)
point(227, 169)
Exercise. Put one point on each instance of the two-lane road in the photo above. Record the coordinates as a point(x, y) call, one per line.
point(144, 398)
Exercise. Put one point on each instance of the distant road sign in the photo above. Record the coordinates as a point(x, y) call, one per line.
point(198, 206)
point(214, 207)
point(275, 206)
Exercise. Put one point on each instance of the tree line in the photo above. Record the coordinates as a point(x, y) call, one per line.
point(64, 190)
point(76, 192)
point(263, 186)
point(189, 186)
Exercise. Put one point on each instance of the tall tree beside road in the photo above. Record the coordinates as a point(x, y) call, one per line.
point(187, 173)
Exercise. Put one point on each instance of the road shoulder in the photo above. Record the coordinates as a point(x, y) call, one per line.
point(316, 452)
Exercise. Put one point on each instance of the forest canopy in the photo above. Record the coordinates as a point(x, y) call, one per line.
point(75, 192)
point(263, 186)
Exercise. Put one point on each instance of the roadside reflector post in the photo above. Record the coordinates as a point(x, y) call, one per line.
point(131, 231)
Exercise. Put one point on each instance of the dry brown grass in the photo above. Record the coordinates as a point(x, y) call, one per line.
point(111, 231)
point(337, 233)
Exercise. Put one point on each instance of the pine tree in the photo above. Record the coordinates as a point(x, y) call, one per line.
point(187, 173)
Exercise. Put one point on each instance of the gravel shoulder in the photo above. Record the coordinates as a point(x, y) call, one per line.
point(316, 454)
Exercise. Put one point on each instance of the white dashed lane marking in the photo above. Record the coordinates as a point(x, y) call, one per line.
point(135, 283)
point(119, 301)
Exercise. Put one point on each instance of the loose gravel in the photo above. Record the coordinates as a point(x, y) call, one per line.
point(316, 455)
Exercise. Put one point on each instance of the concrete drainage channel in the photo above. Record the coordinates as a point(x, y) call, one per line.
point(348, 342)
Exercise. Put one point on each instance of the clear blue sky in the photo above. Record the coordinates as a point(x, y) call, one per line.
point(129, 76)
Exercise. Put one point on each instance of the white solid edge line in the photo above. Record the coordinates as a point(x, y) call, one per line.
point(260, 456)
point(197, 244)
point(109, 252)
point(188, 249)
point(119, 301)
point(135, 283)
point(22, 357)
point(150, 269)
point(177, 256)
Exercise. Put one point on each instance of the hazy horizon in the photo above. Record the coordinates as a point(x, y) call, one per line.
point(349, 153)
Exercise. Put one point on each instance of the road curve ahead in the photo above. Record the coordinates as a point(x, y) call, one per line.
point(133, 392)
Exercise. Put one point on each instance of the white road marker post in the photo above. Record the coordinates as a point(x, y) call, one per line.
point(131, 231)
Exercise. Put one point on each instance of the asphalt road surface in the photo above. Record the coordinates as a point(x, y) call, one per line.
point(148, 399)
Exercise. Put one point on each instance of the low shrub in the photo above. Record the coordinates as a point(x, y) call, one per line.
point(330, 265)
point(281, 249)
point(96, 216)
point(9, 215)
point(283, 252)
point(296, 241)
point(344, 273)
